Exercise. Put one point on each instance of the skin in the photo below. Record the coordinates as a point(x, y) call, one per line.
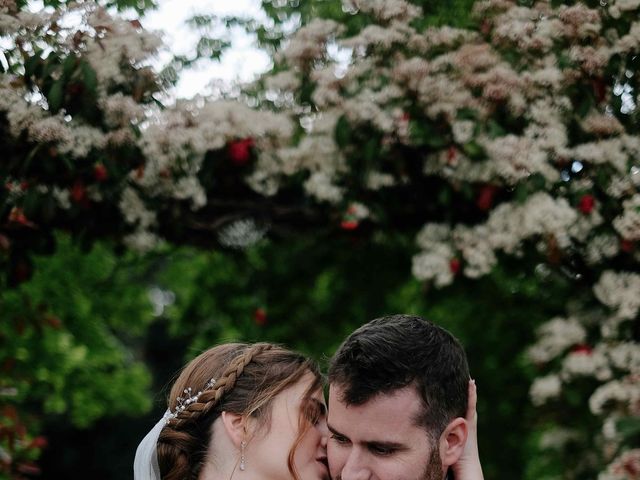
point(468, 467)
point(380, 440)
point(377, 440)
point(267, 451)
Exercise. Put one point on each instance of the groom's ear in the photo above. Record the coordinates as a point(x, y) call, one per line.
point(452, 441)
point(235, 426)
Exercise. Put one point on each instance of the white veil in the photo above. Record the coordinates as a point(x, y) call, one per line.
point(145, 465)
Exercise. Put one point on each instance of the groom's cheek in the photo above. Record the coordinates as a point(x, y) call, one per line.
point(335, 458)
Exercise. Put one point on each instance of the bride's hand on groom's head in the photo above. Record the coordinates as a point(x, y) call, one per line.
point(468, 466)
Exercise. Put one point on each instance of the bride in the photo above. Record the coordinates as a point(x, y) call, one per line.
point(252, 412)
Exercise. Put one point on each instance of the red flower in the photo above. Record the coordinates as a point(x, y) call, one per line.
point(78, 192)
point(8, 364)
point(349, 224)
point(484, 201)
point(452, 155)
point(240, 150)
point(586, 204)
point(53, 322)
point(29, 468)
point(454, 266)
point(582, 349)
point(9, 411)
point(599, 89)
point(627, 246)
point(485, 28)
point(16, 215)
point(100, 172)
point(260, 316)
point(39, 442)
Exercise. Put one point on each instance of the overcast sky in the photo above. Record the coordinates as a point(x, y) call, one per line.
point(241, 62)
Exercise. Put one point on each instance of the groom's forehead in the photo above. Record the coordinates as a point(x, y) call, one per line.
point(404, 401)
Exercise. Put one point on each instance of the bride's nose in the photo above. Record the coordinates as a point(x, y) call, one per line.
point(324, 440)
point(324, 430)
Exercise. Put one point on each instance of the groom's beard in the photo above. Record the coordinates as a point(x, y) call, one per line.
point(433, 470)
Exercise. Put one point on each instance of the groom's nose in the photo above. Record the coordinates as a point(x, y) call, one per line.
point(355, 468)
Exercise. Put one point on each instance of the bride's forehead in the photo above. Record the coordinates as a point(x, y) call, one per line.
point(299, 391)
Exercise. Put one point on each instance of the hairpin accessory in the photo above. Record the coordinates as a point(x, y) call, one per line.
point(183, 402)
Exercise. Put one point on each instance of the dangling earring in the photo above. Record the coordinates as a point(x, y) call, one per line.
point(243, 464)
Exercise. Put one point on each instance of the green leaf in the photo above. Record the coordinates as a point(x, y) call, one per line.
point(585, 106)
point(48, 208)
point(473, 150)
point(628, 426)
point(201, 21)
point(424, 133)
point(90, 78)
point(211, 48)
point(467, 114)
point(343, 132)
point(371, 150)
point(494, 129)
point(68, 66)
point(31, 203)
point(31, 65)
point(51, 65)
point(56, 95)
point(444, 197)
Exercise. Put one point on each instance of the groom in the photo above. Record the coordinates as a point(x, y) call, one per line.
point(397, 401)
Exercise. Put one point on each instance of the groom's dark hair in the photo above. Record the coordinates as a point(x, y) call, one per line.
point(396, 351)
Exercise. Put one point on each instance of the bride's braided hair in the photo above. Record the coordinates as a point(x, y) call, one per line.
point(247, 378)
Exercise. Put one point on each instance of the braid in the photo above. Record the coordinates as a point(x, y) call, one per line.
point(210, 398)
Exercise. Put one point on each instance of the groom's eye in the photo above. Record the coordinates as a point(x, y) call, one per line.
point(339, 439)
point(381, 450)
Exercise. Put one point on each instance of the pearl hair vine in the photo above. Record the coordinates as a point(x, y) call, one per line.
point(183, 402)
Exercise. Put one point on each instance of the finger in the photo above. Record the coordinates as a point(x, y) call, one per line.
point(473, 398)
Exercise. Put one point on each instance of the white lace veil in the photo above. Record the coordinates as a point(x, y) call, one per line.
point(145, 465)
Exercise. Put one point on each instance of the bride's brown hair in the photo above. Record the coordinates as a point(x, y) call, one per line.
point(247, 379)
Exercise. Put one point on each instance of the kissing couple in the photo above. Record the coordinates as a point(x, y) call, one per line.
point(401, 407)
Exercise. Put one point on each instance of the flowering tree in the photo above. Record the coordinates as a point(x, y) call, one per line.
point(514, 139)
point(518, 139)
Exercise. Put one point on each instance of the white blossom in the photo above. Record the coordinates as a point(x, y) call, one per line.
point(619, 291)
point(623, 392)
point(624, 467)
point(322, 187)
point(586, 364)
point(309, 42)
point(462, 131)
point(434, 264)
point(545, 388)
point(628, 224)
point(554, 337)
point(135, 211)
point(141, 241)
point(386, 10)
